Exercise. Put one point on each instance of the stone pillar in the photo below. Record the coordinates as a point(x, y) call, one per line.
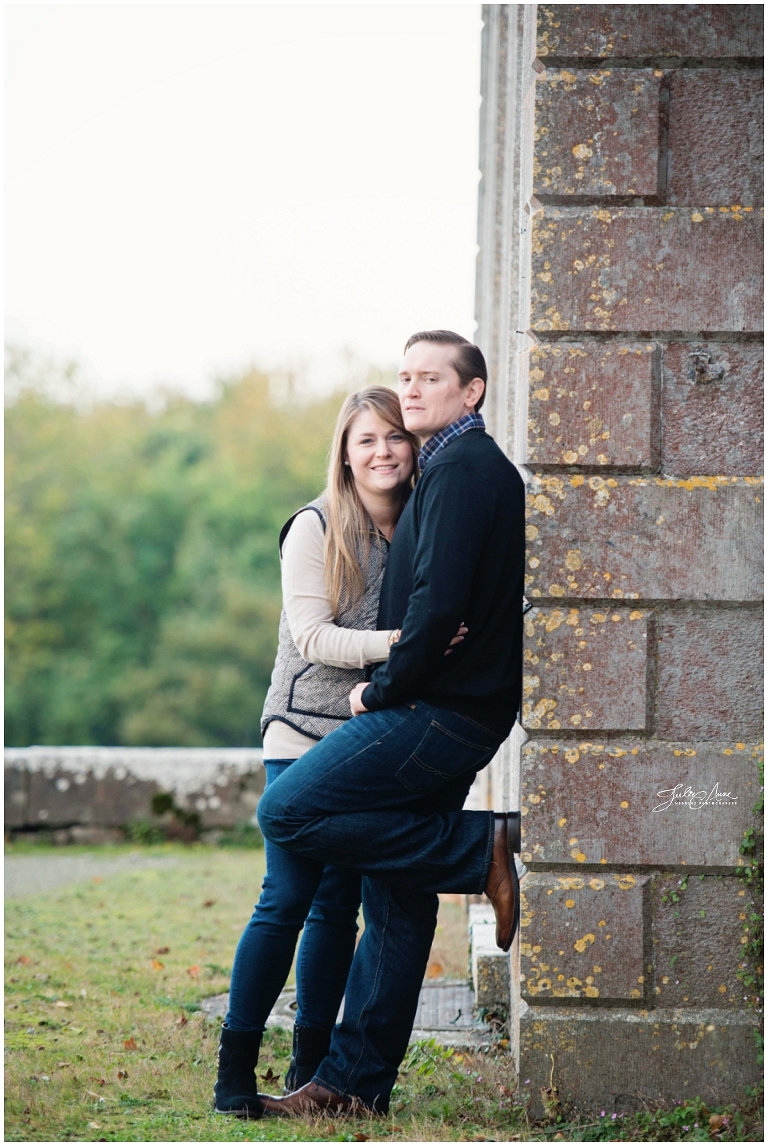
point(619, 294)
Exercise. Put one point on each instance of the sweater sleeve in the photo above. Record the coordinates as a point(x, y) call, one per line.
point(456, 514)
point(308, 608)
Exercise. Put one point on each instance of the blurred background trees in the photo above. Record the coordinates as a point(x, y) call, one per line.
point(142, 572)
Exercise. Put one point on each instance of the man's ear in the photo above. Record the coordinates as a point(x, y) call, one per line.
point(473, 392)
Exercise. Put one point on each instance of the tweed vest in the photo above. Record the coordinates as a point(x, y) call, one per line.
point(313, 698)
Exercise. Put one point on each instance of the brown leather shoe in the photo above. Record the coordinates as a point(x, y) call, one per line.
point(310, 1099)
point(503, 886)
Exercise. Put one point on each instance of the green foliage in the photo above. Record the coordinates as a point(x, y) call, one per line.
point(751, 874)
point(142, 573)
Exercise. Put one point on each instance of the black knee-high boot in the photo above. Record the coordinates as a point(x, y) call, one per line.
point(235, 1090)
point(310, 1046)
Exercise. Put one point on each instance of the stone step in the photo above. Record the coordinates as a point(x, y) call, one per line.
point(445, 1013)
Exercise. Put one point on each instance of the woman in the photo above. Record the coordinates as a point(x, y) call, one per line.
point(333, 554)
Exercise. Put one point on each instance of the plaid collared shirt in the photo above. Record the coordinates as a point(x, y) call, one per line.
point(443, 437)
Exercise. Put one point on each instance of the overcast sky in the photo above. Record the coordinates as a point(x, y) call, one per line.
point(190, 188)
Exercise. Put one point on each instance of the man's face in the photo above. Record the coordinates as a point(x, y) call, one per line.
point(431, 396)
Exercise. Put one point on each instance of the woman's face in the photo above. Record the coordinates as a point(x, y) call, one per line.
point(379, 455)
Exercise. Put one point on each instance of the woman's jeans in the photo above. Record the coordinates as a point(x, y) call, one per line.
point(265, 953)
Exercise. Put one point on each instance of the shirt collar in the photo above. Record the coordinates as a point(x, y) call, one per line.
point(441, 439)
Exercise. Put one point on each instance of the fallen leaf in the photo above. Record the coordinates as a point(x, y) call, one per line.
point(24, 960)
point(157, 965)
point(94, 1126)
point(716, 1121)
point(93, 1094)
point(182, 1021)
point(26, 1110)
point(122, 1074)
point(559, 1137)
point(209, 903)
point(100, 1081)
point(130, 1044)
point(360, 1137)
point(434, 969)
point(41, 1047)
point(61, 1065)
point(193, 971)
point(97, 879)
point(270, 1075)
point(61, 1003)
point(163, 951)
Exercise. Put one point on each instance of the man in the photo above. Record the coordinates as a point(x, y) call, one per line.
point(383, 794)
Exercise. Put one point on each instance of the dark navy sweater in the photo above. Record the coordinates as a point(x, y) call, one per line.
point(457, 555)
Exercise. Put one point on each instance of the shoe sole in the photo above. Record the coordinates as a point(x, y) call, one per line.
point(516, 920)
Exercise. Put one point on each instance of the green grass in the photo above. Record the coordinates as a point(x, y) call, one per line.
point(104, 1041)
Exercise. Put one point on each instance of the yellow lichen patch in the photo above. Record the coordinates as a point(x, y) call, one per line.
point(562, 822)
point(543, 504)
point(625, 882)
point(570, 883)
point(554, 620)
point(597, 884)
point(572, 755)
point(573, 559)
point(591, 992)
point(578, 856)
point(581, 151)
point(581, 944)
point(577, 480)
point(531, 532)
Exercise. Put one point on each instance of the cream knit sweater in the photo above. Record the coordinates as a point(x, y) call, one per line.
point(313, 628)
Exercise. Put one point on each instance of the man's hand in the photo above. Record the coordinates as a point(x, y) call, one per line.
point(355, 703)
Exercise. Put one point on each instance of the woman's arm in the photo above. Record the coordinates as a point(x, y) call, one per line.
point(308, 609)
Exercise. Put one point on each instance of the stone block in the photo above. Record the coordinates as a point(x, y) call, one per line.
point(59, 798)
point(597, 133)
point(658, 31)
point(710, 674)
point(712, 408)
point(715, 151)
point(582, 936)
point(619, 1060)
point(591, 404)
point(585, 669)
point(697, 931)
point(647, 269)
point(637, 802)
point(653, 538)
point(16, 803)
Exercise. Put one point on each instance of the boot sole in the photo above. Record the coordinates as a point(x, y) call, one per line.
point(245, 1113)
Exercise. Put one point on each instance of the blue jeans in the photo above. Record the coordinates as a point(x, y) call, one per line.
point(265, 952)
point(382, 795)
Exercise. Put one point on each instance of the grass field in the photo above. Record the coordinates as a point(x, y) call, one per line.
point(104, 1041)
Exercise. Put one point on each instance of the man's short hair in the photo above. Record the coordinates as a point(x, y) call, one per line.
point(468, 360)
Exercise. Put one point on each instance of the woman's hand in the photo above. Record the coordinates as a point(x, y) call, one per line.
point(355, 702)
point(463, 630)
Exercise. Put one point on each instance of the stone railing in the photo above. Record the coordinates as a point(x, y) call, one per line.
point(90, 793)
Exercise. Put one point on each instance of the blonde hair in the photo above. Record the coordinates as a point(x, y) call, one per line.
point(348, 525)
